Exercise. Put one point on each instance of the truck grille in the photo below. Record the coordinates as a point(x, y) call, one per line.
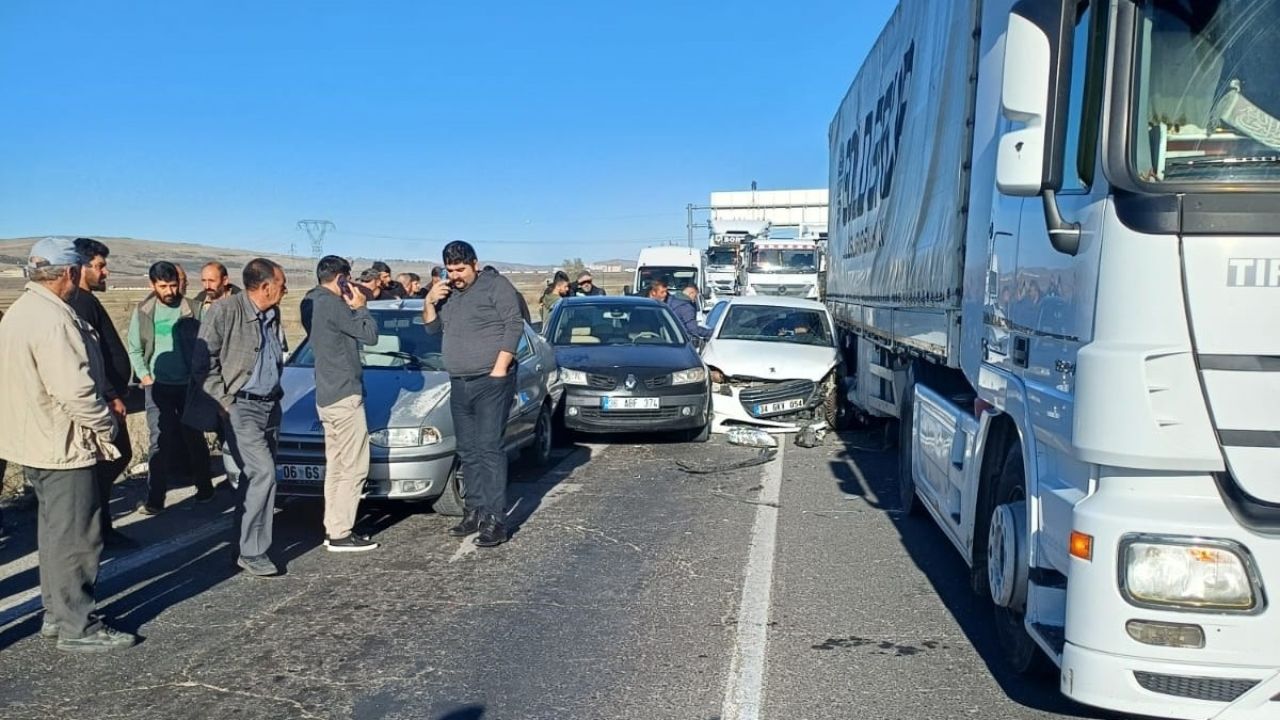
point(1223, 690)
point(786, 290)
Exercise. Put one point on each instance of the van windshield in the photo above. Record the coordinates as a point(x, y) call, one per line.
point(1208, 95)
point(676, 277)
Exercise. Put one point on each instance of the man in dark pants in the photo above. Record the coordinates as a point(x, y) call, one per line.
point(479, 314)
point(235, 377)
point(51, 367)
point(162, 333)
point(115, 361)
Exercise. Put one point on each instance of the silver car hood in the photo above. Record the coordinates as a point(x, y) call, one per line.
point(393, 398)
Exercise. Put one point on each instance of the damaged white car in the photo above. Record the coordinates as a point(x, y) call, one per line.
point(773, 362)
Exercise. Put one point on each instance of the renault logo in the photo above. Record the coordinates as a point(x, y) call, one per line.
point(630, 382)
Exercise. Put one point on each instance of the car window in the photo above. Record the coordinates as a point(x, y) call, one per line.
point(776, 324)
point(614, 324)
point(403, 343)
point(524, 350)
point(713, 317)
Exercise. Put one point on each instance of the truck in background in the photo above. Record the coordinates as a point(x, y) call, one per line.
point(724, 252)
point(1055, 262)
point(780, 266)
point(678, 266)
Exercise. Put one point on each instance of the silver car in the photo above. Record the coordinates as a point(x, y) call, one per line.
point(407, 408)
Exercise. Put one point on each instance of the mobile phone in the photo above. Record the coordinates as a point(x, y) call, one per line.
point(345, 286)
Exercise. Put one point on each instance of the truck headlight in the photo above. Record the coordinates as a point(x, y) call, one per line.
point(1188, 574)
point(573, 377)
point(692, 375)
point(404, 437)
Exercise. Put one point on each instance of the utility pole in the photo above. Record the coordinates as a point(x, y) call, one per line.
point(689, 222)
point(316, 230)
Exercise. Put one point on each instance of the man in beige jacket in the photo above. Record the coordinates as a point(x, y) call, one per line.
point(58, 426)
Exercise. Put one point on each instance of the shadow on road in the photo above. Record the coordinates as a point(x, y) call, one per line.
point(868, 468)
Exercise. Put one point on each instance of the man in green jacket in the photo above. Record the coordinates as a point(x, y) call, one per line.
point(162, 333)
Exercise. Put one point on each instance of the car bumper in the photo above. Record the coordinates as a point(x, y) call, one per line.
point(582, 412)
point(394, 476)
point(729, 411)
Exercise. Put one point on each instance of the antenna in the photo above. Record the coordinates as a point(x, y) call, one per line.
point(316, 229)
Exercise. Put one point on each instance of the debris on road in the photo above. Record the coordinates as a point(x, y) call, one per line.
point(751, 437)
point(760, 458)
point(811, 436)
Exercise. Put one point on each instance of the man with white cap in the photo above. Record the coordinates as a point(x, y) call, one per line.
point(58, 427)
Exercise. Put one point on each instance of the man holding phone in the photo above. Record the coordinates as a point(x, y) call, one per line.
point(479, 314)
point(340, 322)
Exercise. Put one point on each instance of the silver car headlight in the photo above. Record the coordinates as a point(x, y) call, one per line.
point(1188, 574)
point(573, 377)
point(692, 375)
point(405, 437)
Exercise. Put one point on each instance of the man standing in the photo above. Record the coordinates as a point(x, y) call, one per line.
point(216, 284)
point(587, 285)
point(162, 334)
point(115, 363)
point(555, 292)
point(235, 376)
point(479, 315)
point(370, 284)
point(50, 367)
point(684, 310)
point(411, 283)
point(339, 324)
point(182, 279)
point(390, 288)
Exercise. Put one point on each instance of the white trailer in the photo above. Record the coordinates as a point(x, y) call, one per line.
point(1055, 259)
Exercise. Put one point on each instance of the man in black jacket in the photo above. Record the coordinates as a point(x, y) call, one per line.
point(115, 361)
point(479, 314)
point(337, 325)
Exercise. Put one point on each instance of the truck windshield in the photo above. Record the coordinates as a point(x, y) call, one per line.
point(721, 257)
point(1207, 92)
point(677, 277)
point(782, 261)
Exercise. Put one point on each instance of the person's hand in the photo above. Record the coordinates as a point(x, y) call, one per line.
point(118, 408)
point(356, 300)
point(438, 292)
point(147, 381)
point(496, 373)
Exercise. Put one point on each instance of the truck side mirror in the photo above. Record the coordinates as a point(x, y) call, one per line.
point(626, 289)
point(1036, 83)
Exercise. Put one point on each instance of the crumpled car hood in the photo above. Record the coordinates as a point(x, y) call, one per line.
point(393, 398)
point(769, 360)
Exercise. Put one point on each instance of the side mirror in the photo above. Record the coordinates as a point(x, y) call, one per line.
point(626, 289)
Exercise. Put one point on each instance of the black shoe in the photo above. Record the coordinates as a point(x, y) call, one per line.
point(115, 540)
point(204, 496)
point(492, 532)
point(352, 543)
point(105, 639)
point(145, 509)
point(470, 523)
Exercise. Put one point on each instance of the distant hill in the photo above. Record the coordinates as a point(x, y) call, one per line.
point(131, 257)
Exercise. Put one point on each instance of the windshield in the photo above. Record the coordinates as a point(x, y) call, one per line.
point(776, 324)
point(677, 277)
point(721, 257)
point(403, 343)
point(615, 324)
point(783, 261)
point(1208, 94)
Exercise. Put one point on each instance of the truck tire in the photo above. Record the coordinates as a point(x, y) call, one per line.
point(450, 501)
point(1019, 649)
point(908, 503)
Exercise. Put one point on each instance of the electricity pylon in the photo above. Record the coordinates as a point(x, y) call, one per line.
point(316, 230)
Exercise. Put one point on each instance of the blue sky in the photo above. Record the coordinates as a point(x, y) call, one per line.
point(535, 130)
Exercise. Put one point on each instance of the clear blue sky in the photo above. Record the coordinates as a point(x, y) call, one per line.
point(535, 130)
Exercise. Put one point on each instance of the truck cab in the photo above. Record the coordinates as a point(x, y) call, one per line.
point(784, 267)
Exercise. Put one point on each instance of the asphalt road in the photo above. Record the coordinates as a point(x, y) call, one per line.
point(631, 589)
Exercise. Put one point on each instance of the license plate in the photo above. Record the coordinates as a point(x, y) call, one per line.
point(628, 403)
point(300, 473)
point(777, 407)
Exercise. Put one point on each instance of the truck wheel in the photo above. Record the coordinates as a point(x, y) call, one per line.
point(1008, 567)
point(450, 501)
point(907, 500)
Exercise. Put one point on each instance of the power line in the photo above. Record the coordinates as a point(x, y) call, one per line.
point(316, 230)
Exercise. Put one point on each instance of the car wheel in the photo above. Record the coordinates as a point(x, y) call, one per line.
point(539, 451)
point(450, 501)
point(831, 402)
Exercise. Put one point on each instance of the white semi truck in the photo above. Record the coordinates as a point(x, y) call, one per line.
point(780, 266)
point(724, 252)
point(1055, 259)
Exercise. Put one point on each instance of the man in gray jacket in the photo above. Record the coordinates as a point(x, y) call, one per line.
point(235, 383)
point(479, 314)
point(336, 326)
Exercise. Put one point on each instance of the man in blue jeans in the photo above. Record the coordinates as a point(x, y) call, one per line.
point(479, 314)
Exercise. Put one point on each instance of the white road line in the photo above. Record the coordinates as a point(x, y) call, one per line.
point(17, 607)
point(745, 688)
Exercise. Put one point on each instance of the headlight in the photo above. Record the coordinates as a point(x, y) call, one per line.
point(692, 375)
point(1188, 574)
point(404, 437)
point(573, 377)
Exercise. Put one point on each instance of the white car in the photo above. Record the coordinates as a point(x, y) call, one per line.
point(773, 363)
